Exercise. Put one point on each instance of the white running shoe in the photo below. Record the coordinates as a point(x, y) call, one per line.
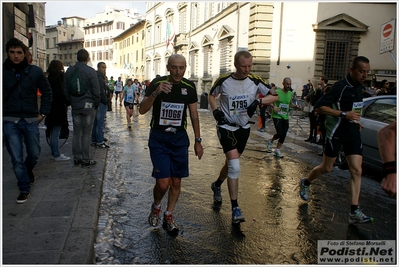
point(278, 154)
point(359, 217)
point(62, 157)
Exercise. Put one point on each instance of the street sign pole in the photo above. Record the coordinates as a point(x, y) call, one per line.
point(393, 57)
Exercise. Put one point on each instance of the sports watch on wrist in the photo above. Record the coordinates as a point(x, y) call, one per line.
point(343, 114)
point(198, 140)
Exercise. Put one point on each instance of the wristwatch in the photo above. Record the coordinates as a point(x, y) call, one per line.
point(343, 114)
point(43, 115)
point(198, 140)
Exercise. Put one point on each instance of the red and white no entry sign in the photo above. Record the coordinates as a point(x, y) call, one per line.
point(387, 36)
point(387, 30)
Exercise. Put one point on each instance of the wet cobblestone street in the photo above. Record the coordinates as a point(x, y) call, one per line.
point(280, 228)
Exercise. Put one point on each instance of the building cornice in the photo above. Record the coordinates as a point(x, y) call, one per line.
point(71, 41)
point(340, 22)
point(132, 28)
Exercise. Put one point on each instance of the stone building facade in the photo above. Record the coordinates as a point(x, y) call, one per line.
point(283, 42)
point(26, 21)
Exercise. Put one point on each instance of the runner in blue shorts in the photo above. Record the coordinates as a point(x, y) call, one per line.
point(169, 153)
point(169, 97)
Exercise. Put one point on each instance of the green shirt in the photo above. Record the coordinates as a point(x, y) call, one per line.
point(283, 103)
point(111, 84)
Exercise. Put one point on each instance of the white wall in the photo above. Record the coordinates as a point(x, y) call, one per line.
point(296, 43)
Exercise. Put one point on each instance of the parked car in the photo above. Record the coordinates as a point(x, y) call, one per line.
point(377, 112)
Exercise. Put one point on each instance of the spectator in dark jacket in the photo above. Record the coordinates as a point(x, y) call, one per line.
point(97, 136)
point(312, 97)
point(83, 109)
point(21, 114)
point(305, 91)
point(58, 112)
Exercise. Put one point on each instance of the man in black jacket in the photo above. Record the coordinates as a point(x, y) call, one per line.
point(21, 114)
point(97, 136)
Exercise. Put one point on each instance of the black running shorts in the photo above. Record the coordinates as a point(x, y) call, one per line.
point(233, 140)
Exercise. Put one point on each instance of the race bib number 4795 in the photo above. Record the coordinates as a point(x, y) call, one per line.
point(238, 104)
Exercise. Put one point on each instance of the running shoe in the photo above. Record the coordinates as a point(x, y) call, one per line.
point(102, 145)
point(154, 219)
point(303, 189)
point(237, 216)
point(169, 224)
point(263, 129)
point(359, 217)
point(62, 157)
point(278, 154)
point(269, 146)
point(88, 164)
point(217, 192)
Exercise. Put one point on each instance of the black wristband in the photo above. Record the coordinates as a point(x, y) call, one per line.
point(389, 167)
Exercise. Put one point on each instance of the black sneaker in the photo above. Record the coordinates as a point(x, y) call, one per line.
point(32, 176)
point(89, 163)
point(77, 162)
point(23, 197)
point(102, 145)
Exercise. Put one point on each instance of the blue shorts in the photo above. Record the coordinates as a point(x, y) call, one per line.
point(169, 153)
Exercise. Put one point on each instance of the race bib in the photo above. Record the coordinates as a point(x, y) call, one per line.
point(238, 104)
point(284, 109)
point(171, 114)
point(119, 86)
point(129, 96)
